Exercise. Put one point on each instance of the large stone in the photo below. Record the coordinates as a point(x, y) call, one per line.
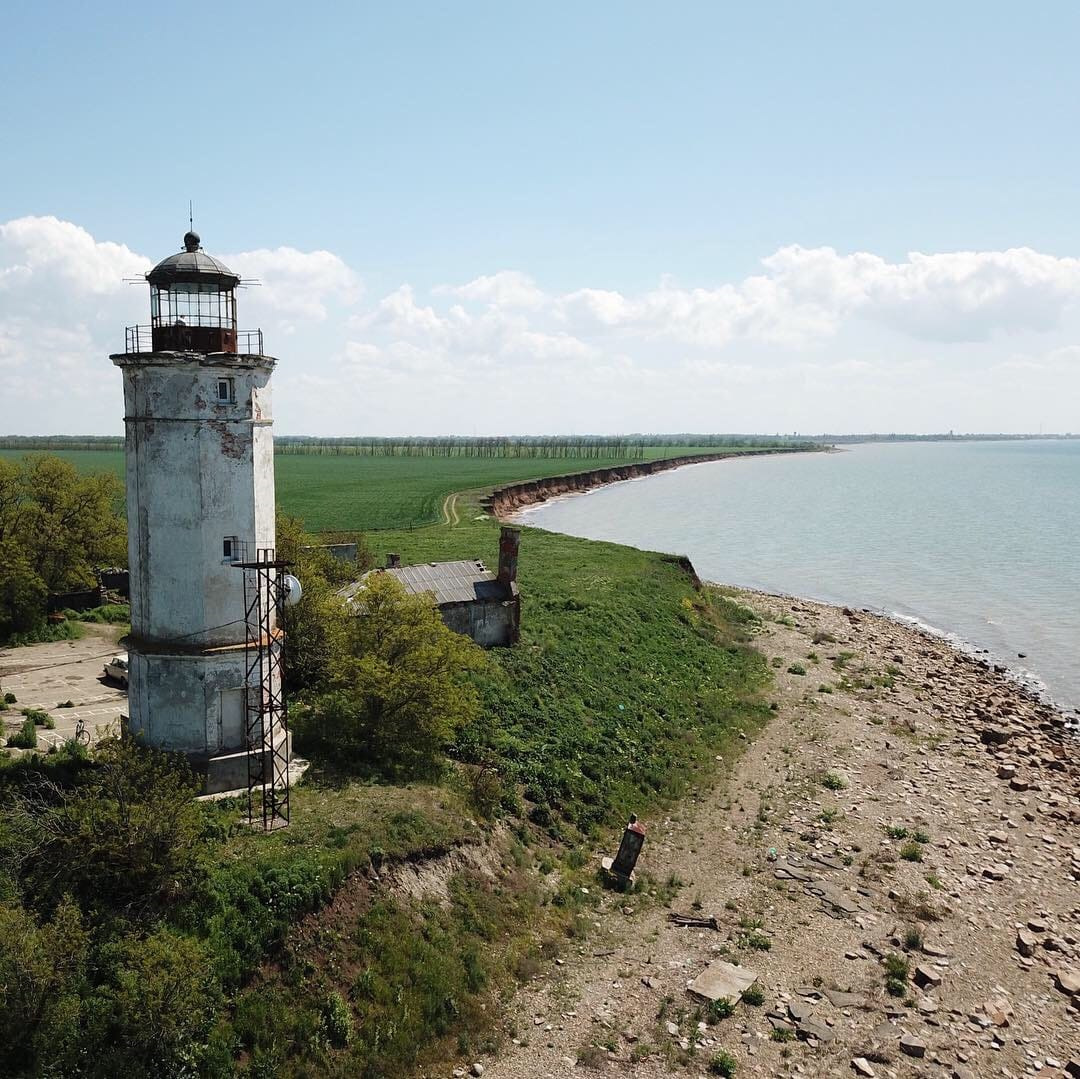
point(722, 981)
point(1026, 943)
point(912, 1046)
point(1068, 981)
point(927, 977)
point(861, 1066)
point(811, 1028)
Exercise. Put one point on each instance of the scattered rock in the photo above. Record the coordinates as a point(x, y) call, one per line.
point(927, 976)
point(1026, 943)
point(1068, 981)
point(998, 1010)
point(912, 1046)
point(861, 1066)
point(1006, 771)
point(477, 1069)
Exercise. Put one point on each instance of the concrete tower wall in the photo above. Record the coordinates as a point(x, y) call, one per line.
point(200, 472)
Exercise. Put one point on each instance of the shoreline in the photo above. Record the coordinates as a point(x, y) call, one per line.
point(510, 503)
point(1025, 683)
point(508, 500)
point(892, 859)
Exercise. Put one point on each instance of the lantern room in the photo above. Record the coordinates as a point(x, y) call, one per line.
point(193, 302)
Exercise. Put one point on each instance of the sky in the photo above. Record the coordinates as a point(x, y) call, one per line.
point(490, 218)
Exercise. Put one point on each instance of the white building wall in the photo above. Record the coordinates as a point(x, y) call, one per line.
point(199, 469)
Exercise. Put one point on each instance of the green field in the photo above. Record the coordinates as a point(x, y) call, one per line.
point(368, 493)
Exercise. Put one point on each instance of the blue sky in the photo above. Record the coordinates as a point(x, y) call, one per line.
point(602, 147)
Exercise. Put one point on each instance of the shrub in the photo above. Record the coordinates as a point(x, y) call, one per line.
point(66, 704)
point(128, 836)
point(911, 852)
point(400, 696)
point(10, 698)
point(337, 1020)
point(716, 1010)
point(834, 781)
point(754, 996)
point(40, 717)
point(796, 668)
point(25, 737)
point(109, 614)
point(896, 831)
point(723, 1064)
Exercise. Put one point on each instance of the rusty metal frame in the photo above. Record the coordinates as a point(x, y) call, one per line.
point(265, 718)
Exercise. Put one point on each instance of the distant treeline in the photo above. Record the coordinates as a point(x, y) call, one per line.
point(600, 447)
point(61, 442)
point(633, 447)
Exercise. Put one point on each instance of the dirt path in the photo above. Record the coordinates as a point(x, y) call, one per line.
point(450, 510)
point(974, 888)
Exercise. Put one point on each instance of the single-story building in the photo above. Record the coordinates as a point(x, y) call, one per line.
point(471, 599)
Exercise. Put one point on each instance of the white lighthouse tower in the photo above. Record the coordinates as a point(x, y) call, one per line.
point(200, 499)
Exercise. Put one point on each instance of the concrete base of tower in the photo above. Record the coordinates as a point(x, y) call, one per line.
point(230, 772)
point(188, 702)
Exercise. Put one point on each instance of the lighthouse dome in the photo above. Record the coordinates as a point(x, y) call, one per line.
point(194, 266)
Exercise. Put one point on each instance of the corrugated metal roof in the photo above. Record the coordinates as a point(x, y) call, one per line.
point(449, 582)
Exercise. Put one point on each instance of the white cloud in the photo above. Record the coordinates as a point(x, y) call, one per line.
point(506, 289)
point(811, 338)
point(295, 283)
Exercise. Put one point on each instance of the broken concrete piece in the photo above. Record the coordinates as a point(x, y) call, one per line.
point(722, 981)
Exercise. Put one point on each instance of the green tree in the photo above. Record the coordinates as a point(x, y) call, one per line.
point(401, 692)
point(316, 629)
point(42, 985)
point(56, 526)
point(128, 837)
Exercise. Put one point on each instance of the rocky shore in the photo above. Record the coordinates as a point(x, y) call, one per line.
point(893, 863)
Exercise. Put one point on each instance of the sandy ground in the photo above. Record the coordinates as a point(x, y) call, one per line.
point(45, 675)
point(791, 854)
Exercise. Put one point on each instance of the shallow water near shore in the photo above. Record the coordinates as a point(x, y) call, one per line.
point(979, 541)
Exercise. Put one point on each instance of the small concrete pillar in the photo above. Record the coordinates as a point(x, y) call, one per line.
point(509, 541)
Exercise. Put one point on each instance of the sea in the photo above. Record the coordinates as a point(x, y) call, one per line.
point(975, 541)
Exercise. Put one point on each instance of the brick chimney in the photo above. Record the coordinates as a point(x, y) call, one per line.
point(509, 541)
point(393, 561)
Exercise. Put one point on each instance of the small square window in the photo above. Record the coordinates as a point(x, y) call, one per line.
point(225, 389)
point(230, 549)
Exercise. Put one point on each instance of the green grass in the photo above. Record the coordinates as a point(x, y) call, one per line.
point(625, 685)
point(337, 493)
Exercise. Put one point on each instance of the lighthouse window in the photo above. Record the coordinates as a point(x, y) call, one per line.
point(230, 549)
point(225, 389)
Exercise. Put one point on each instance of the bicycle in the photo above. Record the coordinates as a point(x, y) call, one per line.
point(82, 735)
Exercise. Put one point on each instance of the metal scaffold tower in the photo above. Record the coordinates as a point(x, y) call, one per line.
point(264, 693)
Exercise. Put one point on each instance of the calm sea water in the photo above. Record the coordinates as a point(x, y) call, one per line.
point(977, 540)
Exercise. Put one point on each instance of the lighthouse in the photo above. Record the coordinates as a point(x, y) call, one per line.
point(204, 649)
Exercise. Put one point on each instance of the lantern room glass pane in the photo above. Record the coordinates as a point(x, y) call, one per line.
point(193, 304)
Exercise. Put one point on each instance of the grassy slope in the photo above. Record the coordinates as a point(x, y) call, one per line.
point(367, 493)
point(617, 697)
